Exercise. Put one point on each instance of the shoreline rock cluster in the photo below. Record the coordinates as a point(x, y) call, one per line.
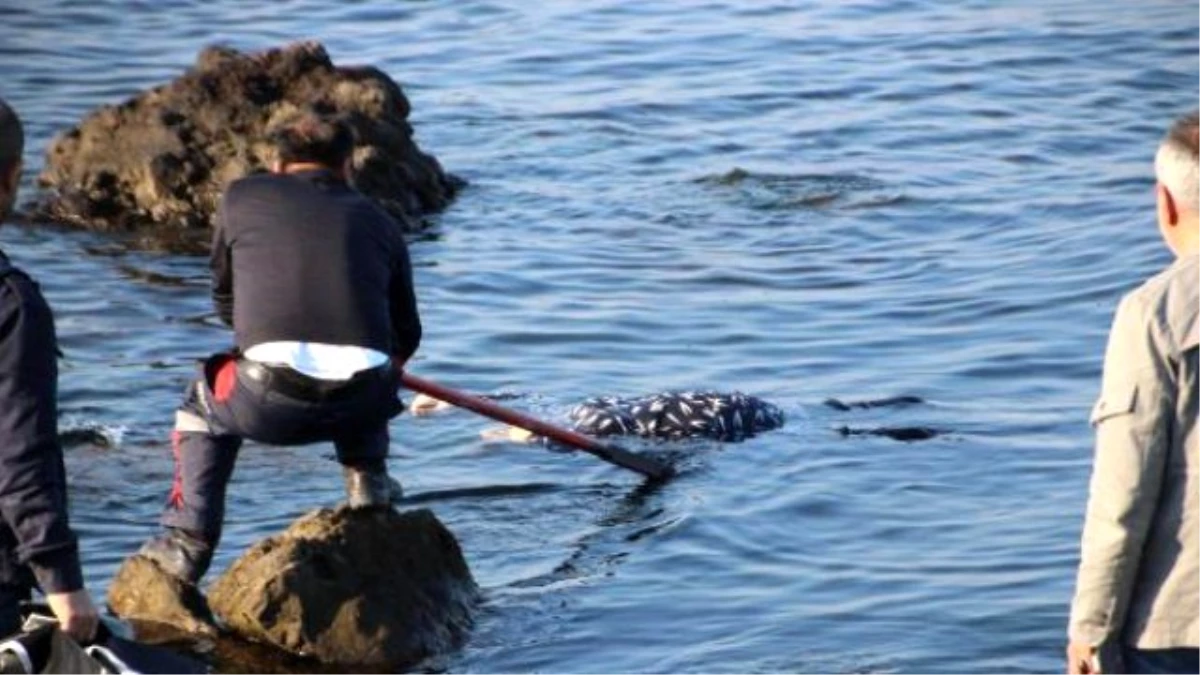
point(156, 163)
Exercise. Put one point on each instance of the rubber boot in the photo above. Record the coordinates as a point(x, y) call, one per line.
point(367, 487)
point(179, 554)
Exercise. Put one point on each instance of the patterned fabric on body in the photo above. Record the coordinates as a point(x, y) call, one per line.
point(677, 415)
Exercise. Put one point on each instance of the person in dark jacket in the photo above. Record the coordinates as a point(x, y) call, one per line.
point(316, 282)
point(37, 546)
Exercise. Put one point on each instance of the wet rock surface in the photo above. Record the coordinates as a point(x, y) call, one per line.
point(156, 164)
point(366, 588)
point(158, 604)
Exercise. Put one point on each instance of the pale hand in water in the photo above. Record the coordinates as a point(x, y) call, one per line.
point(514, 434)
point(423, 404)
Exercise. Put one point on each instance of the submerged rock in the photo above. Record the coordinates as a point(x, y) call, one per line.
point(361, 588)
point(157, 162)
point(894, 433)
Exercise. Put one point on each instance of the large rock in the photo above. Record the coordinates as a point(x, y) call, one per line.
point(162, 158)
point(360, 588)
point(156, 603)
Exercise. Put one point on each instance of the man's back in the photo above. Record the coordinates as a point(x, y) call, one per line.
point(1138, 571)
point(311, 260)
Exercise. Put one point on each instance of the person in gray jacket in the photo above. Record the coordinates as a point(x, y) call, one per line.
point(1136, 596)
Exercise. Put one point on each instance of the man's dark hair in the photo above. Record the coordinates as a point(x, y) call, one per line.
point(12, 139)
point(313, 137)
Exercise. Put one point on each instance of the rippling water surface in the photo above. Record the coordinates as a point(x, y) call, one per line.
point(800, 200)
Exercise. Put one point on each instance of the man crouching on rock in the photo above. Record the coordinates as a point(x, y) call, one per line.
point(36, 542)
point(316, 282)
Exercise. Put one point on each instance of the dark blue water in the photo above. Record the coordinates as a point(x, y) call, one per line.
point(799, 200)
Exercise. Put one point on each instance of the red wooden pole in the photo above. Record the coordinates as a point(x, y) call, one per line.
point(611, 453)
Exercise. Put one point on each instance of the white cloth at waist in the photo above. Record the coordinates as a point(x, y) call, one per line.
point(324, 362)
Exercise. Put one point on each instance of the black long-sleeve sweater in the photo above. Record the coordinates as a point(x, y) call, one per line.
point(35, 534)
point(303, 257)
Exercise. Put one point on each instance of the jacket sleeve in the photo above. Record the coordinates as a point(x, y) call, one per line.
point(222, 265)
point(1133, 419)
point(33, 497)
point(406, 320)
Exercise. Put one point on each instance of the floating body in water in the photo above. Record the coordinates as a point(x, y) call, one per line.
point(678, 415)
point(727, 417)
point(674, 416)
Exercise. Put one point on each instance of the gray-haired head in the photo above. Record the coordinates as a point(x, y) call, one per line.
point(1176, 165)
point(12, 144)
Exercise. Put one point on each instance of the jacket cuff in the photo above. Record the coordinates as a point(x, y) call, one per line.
point(58, 571)
point(1094, 617)
point(1088, 632)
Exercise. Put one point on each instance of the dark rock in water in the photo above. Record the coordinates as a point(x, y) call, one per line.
point(162, 158)
point(157, 603)
point(92, 436)
point(892, 402)
point(894, 433)
point(363, 588)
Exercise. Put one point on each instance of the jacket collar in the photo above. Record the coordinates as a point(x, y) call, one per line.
point(318, 177)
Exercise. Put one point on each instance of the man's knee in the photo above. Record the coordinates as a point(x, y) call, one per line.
point(203, 460)
point(187, 421)
point(204, 464)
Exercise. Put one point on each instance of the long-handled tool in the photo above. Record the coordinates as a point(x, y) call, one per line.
point(609, 452)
